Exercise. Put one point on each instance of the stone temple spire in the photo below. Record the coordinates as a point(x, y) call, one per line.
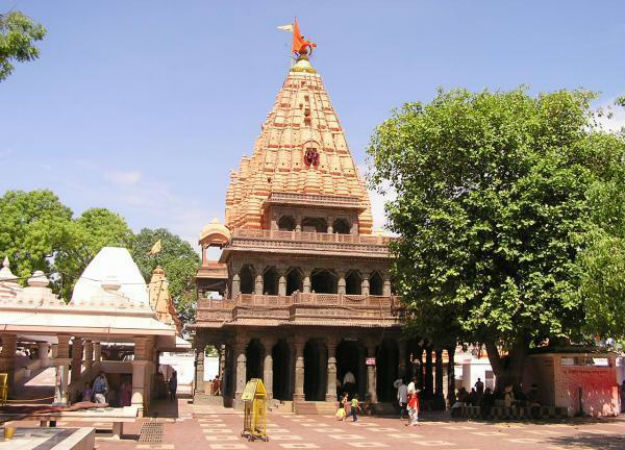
point(301, 150)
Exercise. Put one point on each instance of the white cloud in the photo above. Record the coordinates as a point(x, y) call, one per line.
point(124, 178)
point(613, 117)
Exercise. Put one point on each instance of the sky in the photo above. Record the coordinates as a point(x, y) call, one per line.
point(144, 107)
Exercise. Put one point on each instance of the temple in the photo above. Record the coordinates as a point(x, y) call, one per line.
point(306, 296)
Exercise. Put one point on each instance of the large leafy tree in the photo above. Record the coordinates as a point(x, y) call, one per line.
point(34, 226)
point(94, 229)
point(492, 210)
point(179, 261)
point(17, 35)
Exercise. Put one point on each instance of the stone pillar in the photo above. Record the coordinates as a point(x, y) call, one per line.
point(429, 381)
point(331, 385)
point(61, 363)
point(439, 374)
point(401, 354)
point(76, 359)
point(282, 285)
point(451, 376)
point(241, 362)
point(258, 285)
point(139, 379)
point(364, 284)
point(7, 357)
point(268, 343)
point(341, 286)
point(43, 354)
point(386, 286)
point(236, 285)
point(298, 394)
point(97, 352)
point(306, 284)
point(88, 355)
point(371, 374)
point(200, 347)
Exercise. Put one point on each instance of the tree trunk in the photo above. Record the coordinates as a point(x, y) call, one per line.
point(508, 370)
point(429, 381)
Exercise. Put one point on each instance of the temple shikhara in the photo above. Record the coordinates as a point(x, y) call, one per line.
point(307, 297)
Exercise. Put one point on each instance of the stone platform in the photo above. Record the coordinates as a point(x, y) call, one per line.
point(50, 439)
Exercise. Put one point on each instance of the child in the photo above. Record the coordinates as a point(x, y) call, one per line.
point(355, 408)
point(413, 408)
point(340, 413)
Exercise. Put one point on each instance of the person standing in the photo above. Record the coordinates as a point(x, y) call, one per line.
point(402, 398)
point(355, 407)
point(623, 396)
point(479, 387)
point(173, 385)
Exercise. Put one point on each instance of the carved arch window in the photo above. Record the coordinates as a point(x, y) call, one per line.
point(376, 284)
point(247, 279)
point(353, 283)
point(286, 223)
point(341, 226)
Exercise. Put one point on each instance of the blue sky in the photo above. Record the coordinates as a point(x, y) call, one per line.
point(143, 107)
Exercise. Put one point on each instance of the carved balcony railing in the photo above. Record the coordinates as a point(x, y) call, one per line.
point(300, 307)
point(336, 201)
point(307, 240)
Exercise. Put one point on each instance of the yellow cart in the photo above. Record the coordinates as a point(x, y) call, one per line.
point(255, 403)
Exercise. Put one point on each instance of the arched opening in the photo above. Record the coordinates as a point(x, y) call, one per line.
point(314, 224)
point(270, 281)
point(254, 360)
point(247, 279)
point(315, 373)
point(341, 226)
point(324, 281)
point(293, 281)
point(375, 284)
point(353, 283)
point(350, 366)
point(286, 223)
point(387, 360)
point(282, 371)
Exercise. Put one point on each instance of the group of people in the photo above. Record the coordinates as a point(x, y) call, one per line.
point(348, 408)
point(408, 399)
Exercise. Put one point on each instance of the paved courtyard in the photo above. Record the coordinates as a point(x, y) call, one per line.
point(210, 427)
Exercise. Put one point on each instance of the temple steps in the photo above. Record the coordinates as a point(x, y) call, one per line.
point(315, 408)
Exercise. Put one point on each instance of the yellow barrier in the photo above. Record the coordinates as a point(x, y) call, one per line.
point(254, 399)
point(4, 387)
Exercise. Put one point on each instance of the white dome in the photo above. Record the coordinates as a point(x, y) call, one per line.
point(111, 263)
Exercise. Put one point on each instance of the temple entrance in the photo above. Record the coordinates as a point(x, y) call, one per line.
point(324, 282)
point(387, 360)
point(350, 368)
point(247, 279)
point(293, 281)
point(270, 281)
point(315, 372)
point(281, 371)
point(254, 360)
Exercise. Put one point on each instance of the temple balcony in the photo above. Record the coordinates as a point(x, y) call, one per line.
point(301, 309)
point(277, 240)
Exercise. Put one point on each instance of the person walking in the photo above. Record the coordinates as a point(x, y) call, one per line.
point(342, 411)
point(413, 408)
point(402, 398)
point(100, 388)
point(173, 385)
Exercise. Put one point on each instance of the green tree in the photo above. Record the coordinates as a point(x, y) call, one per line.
point(34, 226)
point(17, 34)
point(179, 261)
point(492, 210)
point(94, 229)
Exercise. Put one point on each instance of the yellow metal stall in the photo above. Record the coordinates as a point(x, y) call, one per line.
point(255, 403)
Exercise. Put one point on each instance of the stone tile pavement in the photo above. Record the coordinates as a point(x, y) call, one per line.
point(215, 428)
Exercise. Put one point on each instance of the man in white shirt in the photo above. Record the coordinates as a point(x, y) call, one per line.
point(402, 398)
point(412, 386)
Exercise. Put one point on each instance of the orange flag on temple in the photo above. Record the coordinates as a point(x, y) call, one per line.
point(298, 39)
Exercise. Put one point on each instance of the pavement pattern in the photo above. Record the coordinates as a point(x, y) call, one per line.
point(188, 426)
